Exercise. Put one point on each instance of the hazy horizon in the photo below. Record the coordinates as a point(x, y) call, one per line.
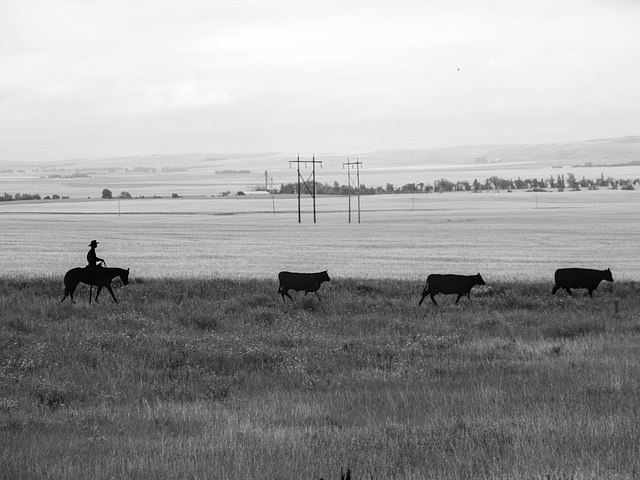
point(110, 79)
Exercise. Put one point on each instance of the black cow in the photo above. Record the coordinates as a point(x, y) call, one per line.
point(588, 278)
point(450, 284)
point(309, 282)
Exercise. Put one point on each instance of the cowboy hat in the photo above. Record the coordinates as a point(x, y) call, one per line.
point(93, 242)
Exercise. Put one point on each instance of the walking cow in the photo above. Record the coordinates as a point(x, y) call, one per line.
point(450, 284)
point(588, 278)
point(309, 282)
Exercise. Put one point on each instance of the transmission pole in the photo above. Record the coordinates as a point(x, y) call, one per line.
point(349, 165)
point(313, 190)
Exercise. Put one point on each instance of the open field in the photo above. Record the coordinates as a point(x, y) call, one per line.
point(201, 371)
point(518, 236)
point(217, 378)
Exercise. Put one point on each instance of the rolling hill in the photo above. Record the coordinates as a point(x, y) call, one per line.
point(597, 152)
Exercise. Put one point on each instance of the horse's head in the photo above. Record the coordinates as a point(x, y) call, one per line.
point(124, 276)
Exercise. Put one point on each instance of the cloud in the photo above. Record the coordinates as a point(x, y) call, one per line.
point(280, 74)
point(184, 94)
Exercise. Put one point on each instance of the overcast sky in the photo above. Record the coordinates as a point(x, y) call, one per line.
point(99, 78)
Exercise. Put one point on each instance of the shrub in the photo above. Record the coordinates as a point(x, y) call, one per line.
point(52, 394)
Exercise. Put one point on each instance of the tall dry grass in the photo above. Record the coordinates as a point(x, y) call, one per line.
point(220, 379)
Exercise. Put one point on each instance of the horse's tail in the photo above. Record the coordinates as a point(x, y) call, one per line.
point(66, 291)
point(70, 283)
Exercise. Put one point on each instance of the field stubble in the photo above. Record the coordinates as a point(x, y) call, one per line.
point(518, 235)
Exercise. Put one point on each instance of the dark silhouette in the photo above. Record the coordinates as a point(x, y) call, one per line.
point(450, 284)
point(92, 258)
point(309, 282)
point(344, 475)
point(101, 277)
point(93, 262)
point(588, 278)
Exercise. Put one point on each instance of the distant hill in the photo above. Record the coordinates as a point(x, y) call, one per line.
point(597, 152)
point(602, 152)
point(192, 174)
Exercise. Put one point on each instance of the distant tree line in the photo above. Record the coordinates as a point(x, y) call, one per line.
point(559, 182)
point(27, 196)
point(492, 183)
point(19, 196)
point(56, 176)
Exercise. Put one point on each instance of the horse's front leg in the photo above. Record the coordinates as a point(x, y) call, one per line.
point(98, 293)
point(111, 292)
point(90, 293)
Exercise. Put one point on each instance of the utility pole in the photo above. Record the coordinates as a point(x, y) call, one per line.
point(349, 165)
point(313, 190)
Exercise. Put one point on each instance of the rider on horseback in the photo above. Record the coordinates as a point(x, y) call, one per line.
point(92, 258)
point(93, 275)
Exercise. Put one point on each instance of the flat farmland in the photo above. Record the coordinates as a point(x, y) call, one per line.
point(201, 370)
point(506, 236)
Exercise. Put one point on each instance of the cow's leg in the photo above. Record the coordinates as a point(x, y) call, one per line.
point(317, 295)
point(590, 293)
point(555, 289)
point(459, 297)
point(286, 292)
point(433, 299)
point(568, 291)
point(425, 292)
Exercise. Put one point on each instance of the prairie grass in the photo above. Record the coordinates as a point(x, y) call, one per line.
point(218, 378)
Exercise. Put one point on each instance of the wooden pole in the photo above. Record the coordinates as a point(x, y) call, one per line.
point(349, 185)
point(358, 180)
point(313, 163)
point(299, 214)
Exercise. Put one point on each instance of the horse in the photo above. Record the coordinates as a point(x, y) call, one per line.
point(101, 277)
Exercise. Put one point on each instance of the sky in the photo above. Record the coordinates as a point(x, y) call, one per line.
point(104, 78)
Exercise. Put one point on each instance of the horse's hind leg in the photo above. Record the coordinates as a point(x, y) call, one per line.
point(68, 292)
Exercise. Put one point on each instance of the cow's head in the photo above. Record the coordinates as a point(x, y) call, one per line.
point(607, 275)
point(479, 280)
point(324, 276)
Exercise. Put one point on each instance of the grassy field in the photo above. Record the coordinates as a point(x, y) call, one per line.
point(201, 371)
point(218, 378)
